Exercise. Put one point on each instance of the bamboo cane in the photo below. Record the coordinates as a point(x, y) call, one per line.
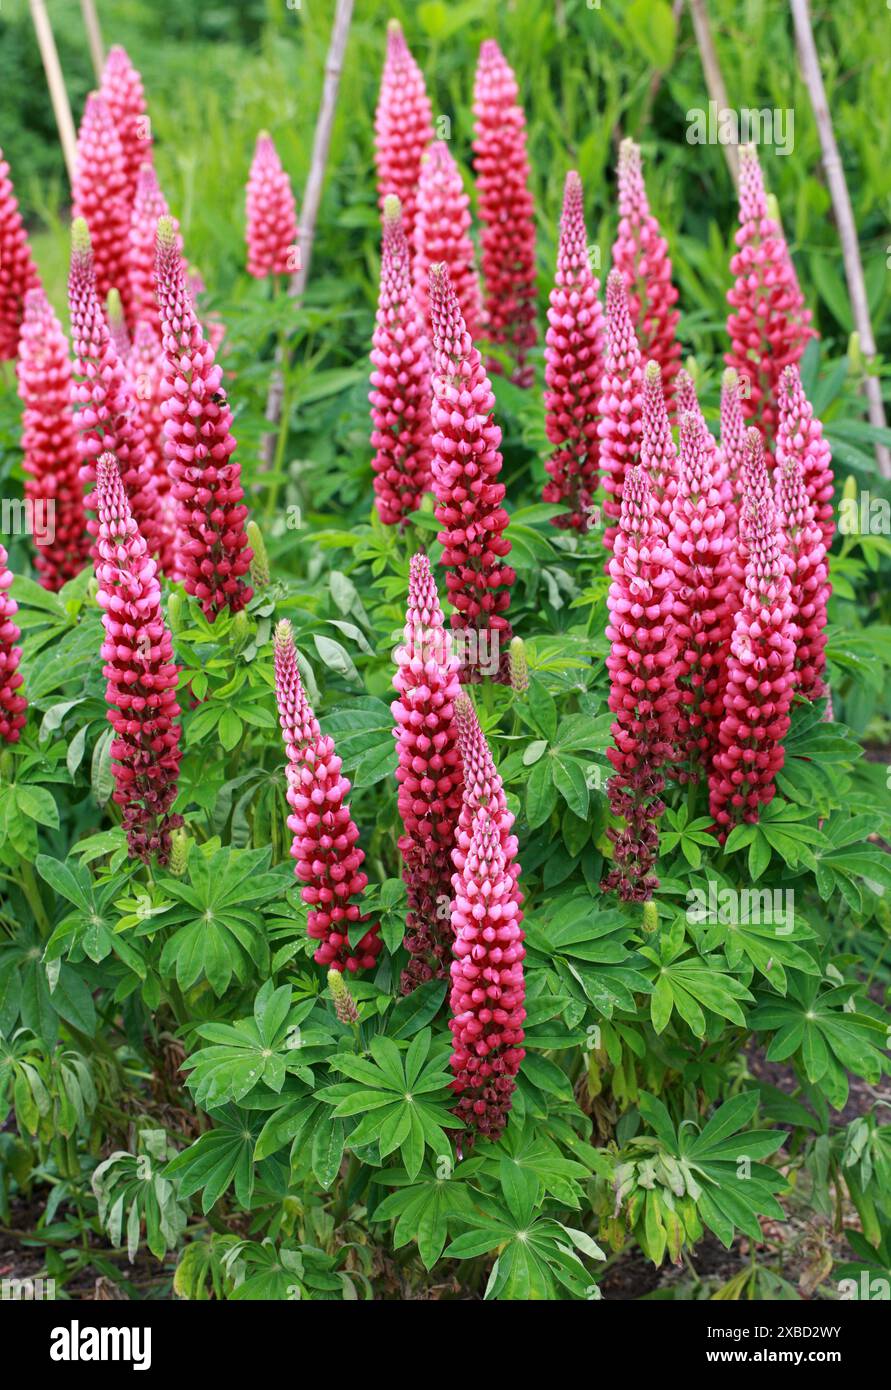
point(56, 84)
point(94, 36)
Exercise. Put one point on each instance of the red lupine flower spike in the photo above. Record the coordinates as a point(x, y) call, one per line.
point(505, 208)
point(760, 677)
point(271, 214)
point(769, 326)
point(800, 438)
point(658, 454)
point(212, 553)
point(100, 196)
point(402, 434)
point(12, 705)
point(755, 490)
point(121, 89)
point(488, 990)
point(403, 125)
point(145, 368)
point(442, 234)
point(18, 273)
point(325, 849)
point(149, 205)
point(140, 673)
point(106, 419)
point(621, 401)
point(640, 252)
point(808, 574)
point(643, 692)
point(483, 787)
point(700, 548)
point(573, 368)
point(733, 431)
point(49, 445)
point(466, 481)
point(428, 775)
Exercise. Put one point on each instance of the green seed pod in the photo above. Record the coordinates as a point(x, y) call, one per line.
point(519, 667)
point(175, 612)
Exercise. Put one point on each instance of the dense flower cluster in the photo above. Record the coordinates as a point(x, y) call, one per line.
point(733, 432)
point(271, 214)
point(140, 673)
point(212, 553)
point(18, 273)
point(505, 208)
point(49, 445)
point(328, 860)
point(400, 380)
point(768, 326)
point(428, 775)
point(643, 693)
point(658, 452)
point(466, 481)
point(482, 787)
point(100, 196)
point(808, 576)
point(403, 126)
point(800, 439)
point(573, 368)
point(621, 401)
point(442, 235)
point(12, 705)
point(640, 252)
point(106, 419)
point(145, 366)
point(149, 204)
point(121, 90)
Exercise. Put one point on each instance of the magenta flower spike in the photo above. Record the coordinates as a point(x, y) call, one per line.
point(621, 400)
point(50, 446)
point(658, 453)
point(100, 195)
point(212, 553)
point(402, 433)
point(733, 432)
point(140, 673)
point(488, 990)
point(428, 775)
point(760, 678)
point(466, 482)
point(442, 235)
point(12, 704)
point(403, 126)
point(643, 690)
point(271, 214)
point(149, 205)
point(768, 325)
point(18, 274)
point(145, 368)
point(573, 368)
point(106, 419)
point(328, 860)
point(800, 438)
point(640, 252)
point(808, 575)
point(756, 491)
point(700, 549)
point(121, 90)
point(505, 209)
point(483, 787)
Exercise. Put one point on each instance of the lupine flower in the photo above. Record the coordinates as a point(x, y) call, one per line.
point(505, 208)
point(769, 326)
point(658, 454)
point(271, 214)
point(260, 573)
point(403, 126)
point(733, 432)
point(145, 368)
point(643, 693)
point(442, 234)
point(402, 434)
point(212, 553)
point(100, 195)
point(328, 860)
point(121, 90)
point(488, 990)
point(140, 673)
point(117, 327)
point(700, 551)
point(687, 403)
point(149, 205)
point(12, 705)
point(483, 788)
point(760, 678)
point(755, 491)
point(106, 421)
point(800, 437)
point(573, 367)
point(344, 1003)
point(18, 274)
point(808, 574)
point(466, 481)
point(640, 252)
point(428, 775)
point(519, 666)
point(49, 443)
point(621, 401)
